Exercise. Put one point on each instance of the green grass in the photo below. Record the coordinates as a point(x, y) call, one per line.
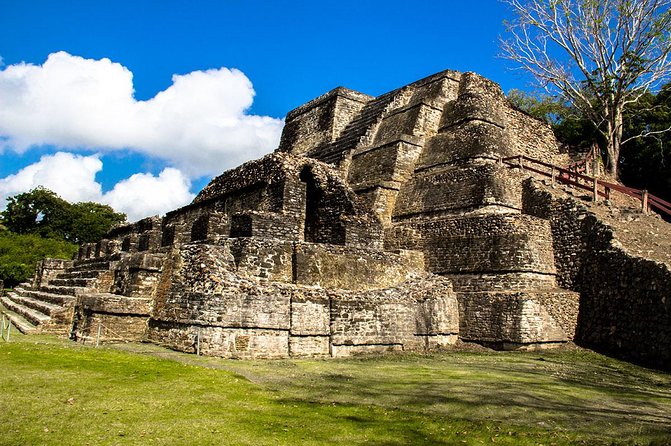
point(57, 392)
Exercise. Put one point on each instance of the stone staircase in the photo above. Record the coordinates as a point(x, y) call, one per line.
point(354, 131)
point(48, 308)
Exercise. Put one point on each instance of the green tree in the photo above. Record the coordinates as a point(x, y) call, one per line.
point(646, 160)
point(42, 212)
point(89, 221)
point(19, 254)
point(601, 56)
point(39, 211)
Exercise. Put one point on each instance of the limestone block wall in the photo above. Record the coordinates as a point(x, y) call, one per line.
point(136, 274)
point(48, 269)
point(340, 267)
point(450, 189)
point(532, 137)
point(414, 316)
point(208, 300)
point(206, 221)
point(522, 319)
point(321, 120)
point(262, 258)
point(110, 318)
point(476, 244)
point(625, 302)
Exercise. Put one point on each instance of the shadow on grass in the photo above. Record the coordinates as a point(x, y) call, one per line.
point(601, 399)
point(563, 393)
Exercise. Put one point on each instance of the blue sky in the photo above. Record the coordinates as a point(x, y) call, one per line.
point(88, 97)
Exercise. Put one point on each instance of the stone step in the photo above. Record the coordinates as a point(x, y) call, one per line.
point(90, 265)
point(42, 306)
point(33, 316)
point(18, 321)
point(61, 290)
point(51, 298)
point(83, 282)
point(86, 274)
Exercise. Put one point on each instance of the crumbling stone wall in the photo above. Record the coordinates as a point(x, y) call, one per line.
point(625, 306)
point(321, 121)
point(384, 223)
point(207, 303)
point(47, 270)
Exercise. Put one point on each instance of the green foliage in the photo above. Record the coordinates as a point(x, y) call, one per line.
point(542, 106)
point(568, 124)
point(646, 161)
point(20, 252)
point(91, 221)
point(39, 224)
point(39, 211)
point(42, 212)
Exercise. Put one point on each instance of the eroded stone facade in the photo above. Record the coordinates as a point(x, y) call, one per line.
point(379, 223)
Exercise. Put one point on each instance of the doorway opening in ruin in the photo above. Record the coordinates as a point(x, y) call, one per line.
point(324, 207)
point(313, 195)
point(200, 228)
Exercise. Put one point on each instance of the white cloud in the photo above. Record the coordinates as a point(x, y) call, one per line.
point(200, 123)
point(73, 178)
point(143, 194)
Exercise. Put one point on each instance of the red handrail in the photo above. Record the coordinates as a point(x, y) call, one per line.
point(593, 184)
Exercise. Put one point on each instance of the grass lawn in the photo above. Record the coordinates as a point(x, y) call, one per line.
point(61, 393)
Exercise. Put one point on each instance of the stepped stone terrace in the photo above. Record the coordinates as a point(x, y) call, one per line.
point(382, 223)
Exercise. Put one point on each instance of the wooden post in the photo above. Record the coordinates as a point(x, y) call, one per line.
point(595, 167)
point(552, 175)
point(644, 201)
point(100, 328)
point(595, 190)
point(198, 343)
point(607, 193)
point(6, 326)
point(519, 161)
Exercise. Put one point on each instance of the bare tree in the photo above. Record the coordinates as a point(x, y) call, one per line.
point(599, 55)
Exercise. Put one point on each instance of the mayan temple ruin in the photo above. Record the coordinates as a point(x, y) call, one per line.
point(403, 222)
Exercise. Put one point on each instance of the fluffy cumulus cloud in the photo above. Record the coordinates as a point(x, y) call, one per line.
point(144, 194)
point(73, 178)
point(200, 124)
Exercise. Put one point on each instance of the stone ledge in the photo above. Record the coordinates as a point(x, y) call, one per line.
point(408, 139)
point(336, 92)
point(115, 304)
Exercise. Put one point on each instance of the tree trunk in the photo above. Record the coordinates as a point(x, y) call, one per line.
point(614, 142)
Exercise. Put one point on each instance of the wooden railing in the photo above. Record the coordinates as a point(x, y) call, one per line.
point(586, 163)
point(598, 188)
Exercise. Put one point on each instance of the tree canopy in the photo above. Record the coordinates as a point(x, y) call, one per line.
point(40, 224)
point(645, 162)
point(601, 56)
point(42, 212)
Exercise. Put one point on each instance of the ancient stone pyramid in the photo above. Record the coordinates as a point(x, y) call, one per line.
point(379, 223)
